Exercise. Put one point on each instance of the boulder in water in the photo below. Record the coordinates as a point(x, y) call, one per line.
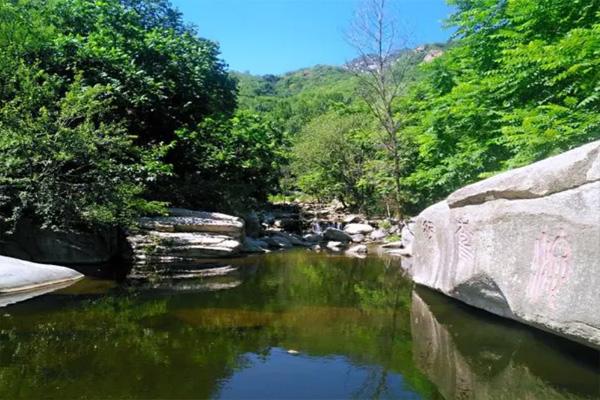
point(336, 235)
point(359, 249)
point(354, 229)
point(524, 244)
point(20, 280)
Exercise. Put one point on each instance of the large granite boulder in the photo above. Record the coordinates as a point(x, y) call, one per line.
point(524, 245)
point(20, 280)
point(184, 238)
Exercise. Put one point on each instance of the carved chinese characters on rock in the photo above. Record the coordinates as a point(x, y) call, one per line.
point(551, 264)
point(463, 239)
point(428, 228)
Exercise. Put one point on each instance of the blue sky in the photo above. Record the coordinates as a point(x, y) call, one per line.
point(277, 36)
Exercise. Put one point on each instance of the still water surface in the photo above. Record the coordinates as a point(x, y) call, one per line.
point(283, 325)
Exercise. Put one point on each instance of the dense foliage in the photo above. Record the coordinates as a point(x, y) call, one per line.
point(104, 108)
point(113, 108)
point(520, 81)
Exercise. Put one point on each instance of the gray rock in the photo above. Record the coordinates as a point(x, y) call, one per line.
point(378, 234)
point(289, 224)
point(183, 220)
point(16, 297)
point(408, 235)
point(253, 228)
point(355, 229)
point(184, 238)
point(255, 246)
point(294, 239)
point(185, 244)
point(552, 175)
point(360, 249)
point(21, 276)
point(358, 238)
point(351, 218)
point(278, 242)
point(535, 260)
point(393, 245)
point(335, 246)
point(312, 238)
point(336, 235)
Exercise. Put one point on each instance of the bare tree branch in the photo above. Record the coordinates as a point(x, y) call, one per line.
point(378, 38)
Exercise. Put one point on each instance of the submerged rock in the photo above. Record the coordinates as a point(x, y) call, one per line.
point(524, 245)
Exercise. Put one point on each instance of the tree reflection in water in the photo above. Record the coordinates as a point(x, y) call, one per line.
point(349, 320)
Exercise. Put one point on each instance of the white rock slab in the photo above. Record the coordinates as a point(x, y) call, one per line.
point(22, 276)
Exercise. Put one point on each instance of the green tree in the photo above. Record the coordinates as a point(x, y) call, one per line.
point(331, 157)
point(519, 83)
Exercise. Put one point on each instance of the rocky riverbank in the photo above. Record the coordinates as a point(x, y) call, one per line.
point(186, 242)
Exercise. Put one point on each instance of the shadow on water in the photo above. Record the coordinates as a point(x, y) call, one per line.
point(283, 325)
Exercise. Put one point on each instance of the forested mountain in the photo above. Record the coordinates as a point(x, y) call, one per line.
point(116, 108)
point(520, 81)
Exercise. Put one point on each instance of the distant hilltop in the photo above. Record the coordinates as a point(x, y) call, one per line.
point(423, 53)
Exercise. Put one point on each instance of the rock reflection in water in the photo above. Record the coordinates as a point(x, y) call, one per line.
point(470, 355)
point(12, 298)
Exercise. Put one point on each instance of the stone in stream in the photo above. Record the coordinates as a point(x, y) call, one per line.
point(294, 239)
point(354, 229)
point(255, 246)
point(378, 234)
point(393, 245)
point(278, 242)
point(184, 238)
point(20, 280)
point(335, 246)
point(312, 238)
point(359, 249)
point(524, 245)
point(351, 218)
point(336, 235)
point(358, 238)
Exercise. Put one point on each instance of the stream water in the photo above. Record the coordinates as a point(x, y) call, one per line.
point(284, 325)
